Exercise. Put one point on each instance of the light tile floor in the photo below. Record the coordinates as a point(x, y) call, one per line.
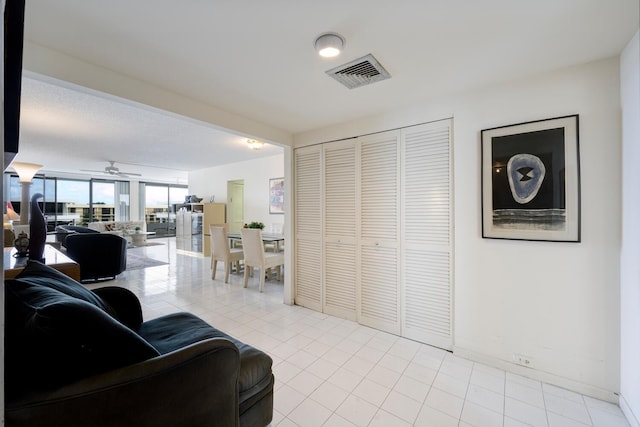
point(332, 372)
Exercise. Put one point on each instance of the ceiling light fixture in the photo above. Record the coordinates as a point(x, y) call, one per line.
point(329, 45)
point(255, 144)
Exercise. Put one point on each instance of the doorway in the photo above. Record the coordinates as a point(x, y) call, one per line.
point(235, 204)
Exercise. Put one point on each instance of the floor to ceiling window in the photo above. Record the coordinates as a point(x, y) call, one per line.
point(71, 201)
point(73, 197)
point(65, 201)
point(102, 201)
point(110, 200)
point(159, 203)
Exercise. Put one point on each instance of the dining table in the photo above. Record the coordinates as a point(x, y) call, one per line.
point(273, 238)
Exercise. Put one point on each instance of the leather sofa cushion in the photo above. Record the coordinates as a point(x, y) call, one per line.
point(37, 273)
point(56, 335)
point(174, 331)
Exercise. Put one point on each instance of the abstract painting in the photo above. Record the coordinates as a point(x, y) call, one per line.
point(276, 196)
point(531, 181)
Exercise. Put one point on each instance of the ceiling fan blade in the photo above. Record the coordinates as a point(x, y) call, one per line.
point(113, 171)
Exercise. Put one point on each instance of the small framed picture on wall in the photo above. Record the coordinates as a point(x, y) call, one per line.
point(276, 196)
point(531, 181)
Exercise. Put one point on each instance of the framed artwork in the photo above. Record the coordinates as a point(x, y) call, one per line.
point(531, 181)
point(276, 196)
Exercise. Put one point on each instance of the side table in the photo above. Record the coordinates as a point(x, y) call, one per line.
point(52, 257)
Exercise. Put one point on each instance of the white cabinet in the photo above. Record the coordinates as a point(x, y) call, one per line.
point(183, 224)
point(373, 231)
point(189, 229)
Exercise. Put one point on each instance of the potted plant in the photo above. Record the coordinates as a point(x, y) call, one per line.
point(256, 224)
point(137, 229)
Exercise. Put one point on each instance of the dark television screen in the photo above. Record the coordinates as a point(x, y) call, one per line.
point(13, 44)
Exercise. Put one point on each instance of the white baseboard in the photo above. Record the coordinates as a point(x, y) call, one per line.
point(546, 377)
point(628, 412)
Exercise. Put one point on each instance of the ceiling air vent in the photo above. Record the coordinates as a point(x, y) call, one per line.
point(360, 72)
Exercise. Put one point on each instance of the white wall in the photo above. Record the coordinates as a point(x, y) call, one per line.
point(556, 303)
point(629, 265)
point(255, 173)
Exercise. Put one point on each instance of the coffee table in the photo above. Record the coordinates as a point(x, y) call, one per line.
point(138, 237)
point(52, 257)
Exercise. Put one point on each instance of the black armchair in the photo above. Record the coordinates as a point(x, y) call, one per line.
point(74, 357)
point(100, 255)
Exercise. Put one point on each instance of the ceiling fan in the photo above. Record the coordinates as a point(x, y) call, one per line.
point(112, 170)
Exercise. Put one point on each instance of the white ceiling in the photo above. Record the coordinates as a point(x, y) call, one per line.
point(255, 58)
point(69, 129)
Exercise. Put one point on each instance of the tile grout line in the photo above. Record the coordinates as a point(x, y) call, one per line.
point(466, 393)
point(156, 291)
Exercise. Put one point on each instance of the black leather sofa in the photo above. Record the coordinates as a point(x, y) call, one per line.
point(75, 357)
point(62, 231)
point(100, 255)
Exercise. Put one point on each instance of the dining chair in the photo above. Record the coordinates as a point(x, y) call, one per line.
point(255, 256)
point(220, 251)
point(211, 241)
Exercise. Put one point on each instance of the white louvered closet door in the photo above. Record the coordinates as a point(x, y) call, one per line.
point(340, 250)
point(308, 227)
point(379, 293)
point(426, 233)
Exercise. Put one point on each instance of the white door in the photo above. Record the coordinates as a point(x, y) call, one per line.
point(379, 202)
point(235, 205)
point(340, 250)
point(374, 234)
point(426, 233)
point(308, 227)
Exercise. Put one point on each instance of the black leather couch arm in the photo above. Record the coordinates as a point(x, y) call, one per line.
point(196, 385)
point(125, 304)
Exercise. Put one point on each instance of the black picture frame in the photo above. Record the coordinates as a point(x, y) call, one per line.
point(531, 180)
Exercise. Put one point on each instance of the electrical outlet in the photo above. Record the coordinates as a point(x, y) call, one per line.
point(523, 360)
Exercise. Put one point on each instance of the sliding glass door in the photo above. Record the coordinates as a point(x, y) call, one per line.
point(158, 202)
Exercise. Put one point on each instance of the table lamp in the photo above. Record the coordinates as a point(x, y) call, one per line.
point(10, 216)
